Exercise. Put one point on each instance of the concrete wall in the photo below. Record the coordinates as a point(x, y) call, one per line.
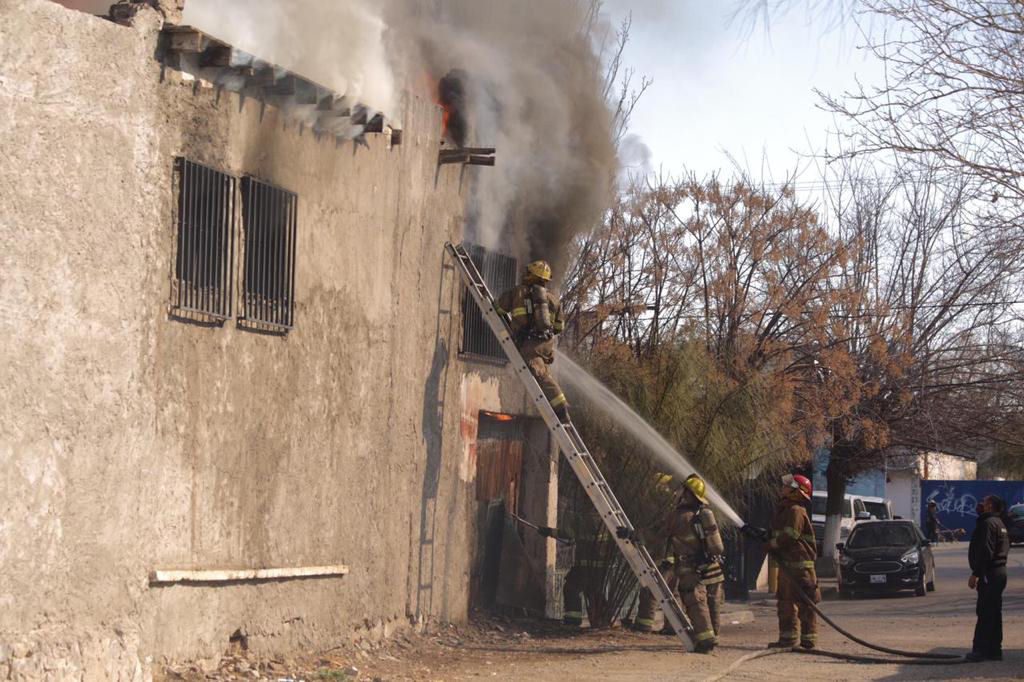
point(906, 471)
point(940, 466)
point(901, 490)
point(130, 441)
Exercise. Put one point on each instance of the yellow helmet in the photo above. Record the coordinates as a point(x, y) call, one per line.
point(664, 480)
point(539, 269)
point(695, 484)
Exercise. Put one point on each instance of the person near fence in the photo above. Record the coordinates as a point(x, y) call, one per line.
point(932, 524)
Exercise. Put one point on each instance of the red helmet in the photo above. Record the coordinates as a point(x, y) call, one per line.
point(798, 483)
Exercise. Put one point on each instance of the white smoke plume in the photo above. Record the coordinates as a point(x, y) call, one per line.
point(534, 91)
point(339, 45)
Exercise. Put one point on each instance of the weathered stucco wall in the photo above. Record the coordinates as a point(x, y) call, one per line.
point(130, 441)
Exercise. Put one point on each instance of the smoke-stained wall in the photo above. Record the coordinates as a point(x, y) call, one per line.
point(534, 87)
point(130, 441)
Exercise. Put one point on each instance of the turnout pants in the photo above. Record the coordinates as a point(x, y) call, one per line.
point(988, 633)
point(576, 582)
point(695, 601)
point(538, 356)
point(542, 373)
point(648, 607)
point(572, 596)
point(796, 617)
point(702, 604)
point(716, 597)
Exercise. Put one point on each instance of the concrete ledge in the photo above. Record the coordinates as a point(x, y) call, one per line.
point(170, 577)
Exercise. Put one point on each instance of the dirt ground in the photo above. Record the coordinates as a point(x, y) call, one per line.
point(505, 649)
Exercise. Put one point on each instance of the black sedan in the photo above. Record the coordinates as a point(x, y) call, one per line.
point(885, 556)
point(1015, 524)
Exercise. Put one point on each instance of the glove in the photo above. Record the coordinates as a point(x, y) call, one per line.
point(547, 531)
point(664, 565)
point(624, 533)
point(755, 533)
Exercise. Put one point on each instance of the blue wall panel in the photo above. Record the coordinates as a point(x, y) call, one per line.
point(956, 500)
point(870, 483)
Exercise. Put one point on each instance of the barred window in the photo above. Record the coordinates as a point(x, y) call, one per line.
point(206, 241)
point(270, 216)
point(499, 271)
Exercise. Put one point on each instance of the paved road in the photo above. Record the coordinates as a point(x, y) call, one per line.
point(942, 621)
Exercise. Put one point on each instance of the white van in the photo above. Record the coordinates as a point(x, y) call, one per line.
point(853, 505)
point(878, 507)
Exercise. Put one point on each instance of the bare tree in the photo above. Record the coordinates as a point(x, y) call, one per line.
point(952, 95)
point(919, 353)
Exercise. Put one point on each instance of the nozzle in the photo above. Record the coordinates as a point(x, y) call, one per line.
point(759, 534)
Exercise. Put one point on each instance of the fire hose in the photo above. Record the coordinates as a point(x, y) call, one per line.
point(545, 531)
point(916, 657)
point(927, 658)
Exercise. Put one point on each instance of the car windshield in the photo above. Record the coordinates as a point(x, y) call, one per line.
point(877, 509)
point(818, 507)
point(881, 535)
point(1017, 511)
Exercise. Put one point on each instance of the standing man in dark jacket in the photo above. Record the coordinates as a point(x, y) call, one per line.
point(990, 545)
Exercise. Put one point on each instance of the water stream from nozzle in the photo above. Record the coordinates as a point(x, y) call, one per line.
point(601, 397)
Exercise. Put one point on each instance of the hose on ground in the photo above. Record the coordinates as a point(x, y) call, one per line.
point(876, 660)
point(743, 659)
point(873, 659)
point(846, 633)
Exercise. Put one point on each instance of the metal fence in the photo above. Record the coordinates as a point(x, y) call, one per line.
point(206, 240)
point(499, 271)
point(270, 217)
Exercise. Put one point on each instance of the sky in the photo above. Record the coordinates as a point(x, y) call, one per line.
point(723, 88)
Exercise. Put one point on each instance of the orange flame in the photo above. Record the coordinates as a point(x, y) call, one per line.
point(498, 416)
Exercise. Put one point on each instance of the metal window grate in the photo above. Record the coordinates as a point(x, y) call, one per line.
point(499, 271)
point(270, 216)
point(206, 240)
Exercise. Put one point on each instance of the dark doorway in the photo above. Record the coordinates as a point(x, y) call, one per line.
point(499, 475)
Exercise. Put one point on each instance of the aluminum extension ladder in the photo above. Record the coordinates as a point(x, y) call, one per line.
point(576, 453)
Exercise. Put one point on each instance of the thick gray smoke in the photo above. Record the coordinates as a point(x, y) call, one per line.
point(535, 95)
point(533, 84)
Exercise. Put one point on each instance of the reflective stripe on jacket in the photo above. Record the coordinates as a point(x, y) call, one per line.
point(792, 535)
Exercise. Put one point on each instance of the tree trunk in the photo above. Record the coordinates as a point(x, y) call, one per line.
point(836, 482)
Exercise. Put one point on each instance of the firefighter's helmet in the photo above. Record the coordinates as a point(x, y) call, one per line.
point(539, 269)
point(664, 480)
point(696, 485)
point(798, 484)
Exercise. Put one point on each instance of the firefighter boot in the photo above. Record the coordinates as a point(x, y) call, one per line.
point(705, 647)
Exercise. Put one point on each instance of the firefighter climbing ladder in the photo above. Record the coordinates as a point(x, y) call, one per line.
point(576, 454)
